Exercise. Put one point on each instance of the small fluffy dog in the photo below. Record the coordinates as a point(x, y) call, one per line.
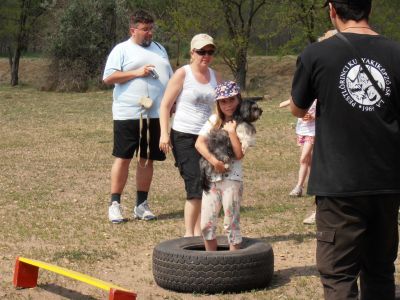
point(219, 143)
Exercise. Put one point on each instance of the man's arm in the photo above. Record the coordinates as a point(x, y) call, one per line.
point(296, 111)
point(124, 76)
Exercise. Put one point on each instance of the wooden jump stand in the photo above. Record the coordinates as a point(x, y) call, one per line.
point(26, 273)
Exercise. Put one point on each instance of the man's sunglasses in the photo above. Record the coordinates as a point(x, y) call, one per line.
point(202, 52)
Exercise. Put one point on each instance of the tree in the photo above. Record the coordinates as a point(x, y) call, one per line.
point(299, 22)
point(186, 20)
point(306, 16)
point(88, 30)
point(178, 20)
point(239, 17)
point(20, 17)
point(385, 18)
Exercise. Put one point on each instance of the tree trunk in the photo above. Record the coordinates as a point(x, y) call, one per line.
point(21, 41)
point(15, 67)
point(10, 60)
point(239, 29)
point(241, 68)
point(178, 52)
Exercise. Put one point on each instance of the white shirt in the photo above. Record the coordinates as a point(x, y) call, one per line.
point(128, 56)
point(194, 104)
point(307, 128)
point(235, 171)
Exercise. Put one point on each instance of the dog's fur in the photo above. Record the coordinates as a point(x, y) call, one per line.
point(219, 143)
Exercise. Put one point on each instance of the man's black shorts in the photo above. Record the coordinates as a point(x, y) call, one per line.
point(127, 138)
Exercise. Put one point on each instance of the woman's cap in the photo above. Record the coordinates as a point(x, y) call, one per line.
point(351, 3)
point(226, 89)
point(200, 40)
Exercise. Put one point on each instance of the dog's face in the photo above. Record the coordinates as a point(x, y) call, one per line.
point(249, 111)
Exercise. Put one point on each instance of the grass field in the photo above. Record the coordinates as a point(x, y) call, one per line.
point(55, 160)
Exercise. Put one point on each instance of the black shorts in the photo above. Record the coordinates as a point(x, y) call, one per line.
point(187, 160)
point(127, 139)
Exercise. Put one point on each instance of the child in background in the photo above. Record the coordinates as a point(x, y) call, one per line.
point(226, 185)
point(305, 130)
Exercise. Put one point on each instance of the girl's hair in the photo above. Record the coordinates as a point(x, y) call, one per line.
point(221, 116)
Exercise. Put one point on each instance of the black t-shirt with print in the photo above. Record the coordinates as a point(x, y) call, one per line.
point(357, 144)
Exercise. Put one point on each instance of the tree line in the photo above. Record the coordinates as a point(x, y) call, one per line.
point(77, 35)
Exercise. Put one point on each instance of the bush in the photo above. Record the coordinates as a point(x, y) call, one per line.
point(79, 50)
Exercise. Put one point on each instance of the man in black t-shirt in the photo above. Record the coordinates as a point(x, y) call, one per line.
point(355, 172)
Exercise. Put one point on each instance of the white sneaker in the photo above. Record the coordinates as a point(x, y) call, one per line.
point(296, 192)
point(115, 213)
point(143, 212)
point(310, 220)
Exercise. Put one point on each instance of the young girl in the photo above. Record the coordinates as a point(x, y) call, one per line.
point(305, 130)
point(226, 185)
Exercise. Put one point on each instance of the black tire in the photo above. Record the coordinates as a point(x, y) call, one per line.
point(183, 265)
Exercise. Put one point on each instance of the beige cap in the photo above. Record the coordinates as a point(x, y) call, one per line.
point(200, 40)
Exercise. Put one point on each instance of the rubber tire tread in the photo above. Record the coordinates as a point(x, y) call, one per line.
point(177, 267)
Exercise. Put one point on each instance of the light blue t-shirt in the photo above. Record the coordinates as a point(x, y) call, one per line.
point(128, 56)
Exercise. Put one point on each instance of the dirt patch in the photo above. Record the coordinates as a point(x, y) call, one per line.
point(32, 71)
point(55, 157)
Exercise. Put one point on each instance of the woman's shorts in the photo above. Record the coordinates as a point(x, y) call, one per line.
point(305, 139)
point(187, 160)
point(127, 139)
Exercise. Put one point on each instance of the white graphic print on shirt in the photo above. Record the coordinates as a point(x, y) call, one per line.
point(357, 89)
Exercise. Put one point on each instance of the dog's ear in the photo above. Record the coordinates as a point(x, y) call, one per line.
point(237, 115)
point(245, 110)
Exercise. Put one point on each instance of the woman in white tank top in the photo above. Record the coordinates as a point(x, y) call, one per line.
point(191, 88)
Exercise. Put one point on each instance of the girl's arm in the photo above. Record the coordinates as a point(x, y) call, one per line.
point(230, 127)
point(172, 91)
point(201, 146)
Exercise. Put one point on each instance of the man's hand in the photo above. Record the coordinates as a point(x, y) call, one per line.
point(144, 71)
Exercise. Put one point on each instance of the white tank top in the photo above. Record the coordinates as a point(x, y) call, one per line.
point(194, 104)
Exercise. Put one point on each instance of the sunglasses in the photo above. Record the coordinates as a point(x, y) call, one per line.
point(202, 52)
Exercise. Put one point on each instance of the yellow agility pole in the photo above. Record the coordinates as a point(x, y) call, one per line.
point(27, 270)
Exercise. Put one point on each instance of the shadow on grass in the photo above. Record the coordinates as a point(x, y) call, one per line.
point(282, 277)
point(64, 292)
point(298, 237)
point(172, 215)
point(244, 209)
